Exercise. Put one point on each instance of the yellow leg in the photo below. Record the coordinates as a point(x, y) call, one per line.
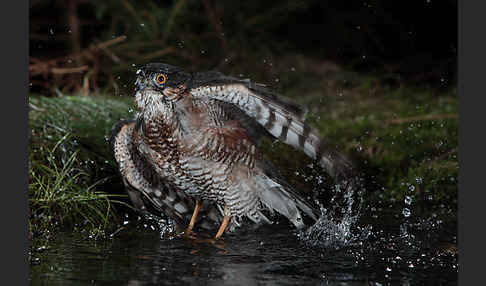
point(194, 216)
point(223, 226)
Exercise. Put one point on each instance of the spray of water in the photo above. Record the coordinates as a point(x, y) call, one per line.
point(337, 226)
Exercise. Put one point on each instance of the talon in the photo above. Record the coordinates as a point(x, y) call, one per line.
point(188, 232)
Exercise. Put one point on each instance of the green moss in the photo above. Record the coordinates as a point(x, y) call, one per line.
point(402, 139)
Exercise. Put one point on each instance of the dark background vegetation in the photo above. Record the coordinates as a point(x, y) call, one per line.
point(87, 45)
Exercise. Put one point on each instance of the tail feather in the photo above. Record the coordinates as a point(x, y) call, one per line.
point(286, 202)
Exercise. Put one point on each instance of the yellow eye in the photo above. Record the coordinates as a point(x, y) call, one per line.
point(161, 78)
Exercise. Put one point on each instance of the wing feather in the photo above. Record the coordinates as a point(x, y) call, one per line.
point(281, 119)
point(143, 183)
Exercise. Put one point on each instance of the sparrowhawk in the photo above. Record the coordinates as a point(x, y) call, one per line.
point(195, 142)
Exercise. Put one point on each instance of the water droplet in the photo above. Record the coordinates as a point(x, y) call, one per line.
point(418, 180)
point(142, 24)
point(406, 212)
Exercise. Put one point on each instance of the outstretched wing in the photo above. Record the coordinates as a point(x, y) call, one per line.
point(282, 119)
point(144, 185)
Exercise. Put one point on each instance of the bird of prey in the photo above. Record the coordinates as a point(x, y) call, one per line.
point(194, 145)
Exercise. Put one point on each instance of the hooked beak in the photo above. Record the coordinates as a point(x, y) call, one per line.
point(139, 84)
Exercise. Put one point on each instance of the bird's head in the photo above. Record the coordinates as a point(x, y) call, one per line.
point(160, 83)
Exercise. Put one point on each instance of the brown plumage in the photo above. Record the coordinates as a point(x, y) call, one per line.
point(146, 189)
point(198, 133)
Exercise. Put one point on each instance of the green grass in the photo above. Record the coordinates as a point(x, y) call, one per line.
point(73, 181)
point(60, 194)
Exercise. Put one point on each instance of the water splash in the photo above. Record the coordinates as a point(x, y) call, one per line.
point(337, 226)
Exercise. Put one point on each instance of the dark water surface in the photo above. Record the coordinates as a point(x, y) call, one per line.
point(399, 252)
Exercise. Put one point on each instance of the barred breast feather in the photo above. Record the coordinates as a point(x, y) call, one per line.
point(143, 184)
